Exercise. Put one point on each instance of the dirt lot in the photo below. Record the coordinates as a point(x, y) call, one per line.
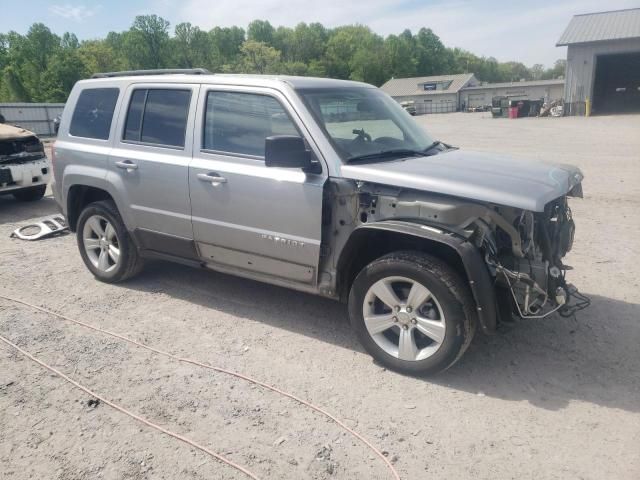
point(552, 399)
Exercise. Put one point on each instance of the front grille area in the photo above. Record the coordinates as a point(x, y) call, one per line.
point(21, 150)
point(5, 176)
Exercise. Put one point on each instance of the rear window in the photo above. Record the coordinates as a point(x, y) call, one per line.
point(93, 113)
point(158, 116)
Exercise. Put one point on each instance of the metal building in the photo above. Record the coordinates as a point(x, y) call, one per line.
point(439, 94)
point(37, 117)
point(481, 95)
point(603, 62)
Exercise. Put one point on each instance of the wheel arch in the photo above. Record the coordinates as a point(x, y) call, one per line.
point(373, 240)
point(78, 197)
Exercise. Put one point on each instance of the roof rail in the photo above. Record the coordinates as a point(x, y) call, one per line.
point(158, 71)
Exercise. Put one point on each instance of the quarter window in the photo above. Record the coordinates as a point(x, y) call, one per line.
point(93, 113)
point(158, 116)
point(239, 123)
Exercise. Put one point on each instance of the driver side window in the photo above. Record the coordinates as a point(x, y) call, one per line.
point(238, 123)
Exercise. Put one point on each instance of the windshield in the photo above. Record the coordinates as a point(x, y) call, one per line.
point(365, 122)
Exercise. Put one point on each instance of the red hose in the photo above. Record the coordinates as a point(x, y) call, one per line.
point(341, 424)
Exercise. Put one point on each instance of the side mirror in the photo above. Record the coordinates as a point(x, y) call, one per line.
point(287, 151)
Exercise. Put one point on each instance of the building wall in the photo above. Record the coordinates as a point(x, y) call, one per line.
point(479, 97)
point(436, 103)
point(37, 117)
point(581, 68)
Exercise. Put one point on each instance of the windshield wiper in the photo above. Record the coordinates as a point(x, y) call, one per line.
point(398, 152)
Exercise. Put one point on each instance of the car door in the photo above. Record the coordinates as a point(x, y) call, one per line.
point(245, 215)
point(150, 162)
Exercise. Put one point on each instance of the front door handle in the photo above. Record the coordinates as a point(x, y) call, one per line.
point(127, 165)
point(213, 178)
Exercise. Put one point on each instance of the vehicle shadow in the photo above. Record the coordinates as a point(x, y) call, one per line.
point(549, 363)
point(15, 212)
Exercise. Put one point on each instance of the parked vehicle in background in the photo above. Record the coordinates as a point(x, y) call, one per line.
point(409, 106)
point(24, 168)
point(479, 108)
point(324, 186)
point(499, 107)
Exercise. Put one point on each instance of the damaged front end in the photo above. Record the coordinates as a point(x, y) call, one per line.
point(20, 150)
point(531, 281)
point(523, 250)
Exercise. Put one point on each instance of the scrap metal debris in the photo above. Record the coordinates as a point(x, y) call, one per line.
point(47, 227)
point(554, 109)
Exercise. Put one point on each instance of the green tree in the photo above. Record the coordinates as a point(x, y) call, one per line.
point(15, 90)
point(41, 66)
point(307, 42)
point(147, 42)
point(64, 70)
point(283, 41)
point(227, 42)
point(342, 46)
point(260, 31)
point(258, 57)
point(431, 55)
point(557, 71)
point(99, 56)
point(398, 55)
point(40, 44)
point(192, 47)
point(537, 71)
point(70, 41)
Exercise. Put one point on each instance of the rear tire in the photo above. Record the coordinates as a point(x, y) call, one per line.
point(412, 312)
point(105, 244)
point(30, 194)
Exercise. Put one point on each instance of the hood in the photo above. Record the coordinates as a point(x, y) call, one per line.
point(9, 132)
point(486, 177)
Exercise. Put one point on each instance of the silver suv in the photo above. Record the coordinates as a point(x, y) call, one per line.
point(324, 186)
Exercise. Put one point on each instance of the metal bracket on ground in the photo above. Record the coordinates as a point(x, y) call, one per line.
point(45, 228)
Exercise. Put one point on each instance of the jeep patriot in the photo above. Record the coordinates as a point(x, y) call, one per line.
point(324, 186)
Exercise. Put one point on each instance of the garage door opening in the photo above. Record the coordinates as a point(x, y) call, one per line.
point(617, 84)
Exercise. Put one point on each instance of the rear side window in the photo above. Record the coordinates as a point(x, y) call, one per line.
point(158, 116)
point(239, 123)
point(93, 113)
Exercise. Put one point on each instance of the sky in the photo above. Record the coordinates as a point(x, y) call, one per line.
point(518, 30)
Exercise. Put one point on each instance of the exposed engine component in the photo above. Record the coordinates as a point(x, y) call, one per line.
point(537, 280)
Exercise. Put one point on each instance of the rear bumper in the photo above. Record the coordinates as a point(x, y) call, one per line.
point(16, 176)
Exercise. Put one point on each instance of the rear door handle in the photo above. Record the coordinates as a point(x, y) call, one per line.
point(213, 178)
point(127, 165)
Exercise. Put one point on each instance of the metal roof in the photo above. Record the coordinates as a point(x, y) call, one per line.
point(602, 26)
point(531, 83)
point(400, 87)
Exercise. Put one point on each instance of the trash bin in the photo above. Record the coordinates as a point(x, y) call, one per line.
point(513, 112)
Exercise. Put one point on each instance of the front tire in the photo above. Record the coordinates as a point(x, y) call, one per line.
point(412, 312)
point(105, 244)
point(30, 194)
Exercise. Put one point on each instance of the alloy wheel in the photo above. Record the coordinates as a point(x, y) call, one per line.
point(404, 318)
point(101, 243)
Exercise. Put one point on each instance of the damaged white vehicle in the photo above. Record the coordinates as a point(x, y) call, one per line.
point(324, 186)
point(24, 168)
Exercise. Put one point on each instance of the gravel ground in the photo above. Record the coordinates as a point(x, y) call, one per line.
point(550, 399)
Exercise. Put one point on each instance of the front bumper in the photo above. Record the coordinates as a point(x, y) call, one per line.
point(23, 175)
